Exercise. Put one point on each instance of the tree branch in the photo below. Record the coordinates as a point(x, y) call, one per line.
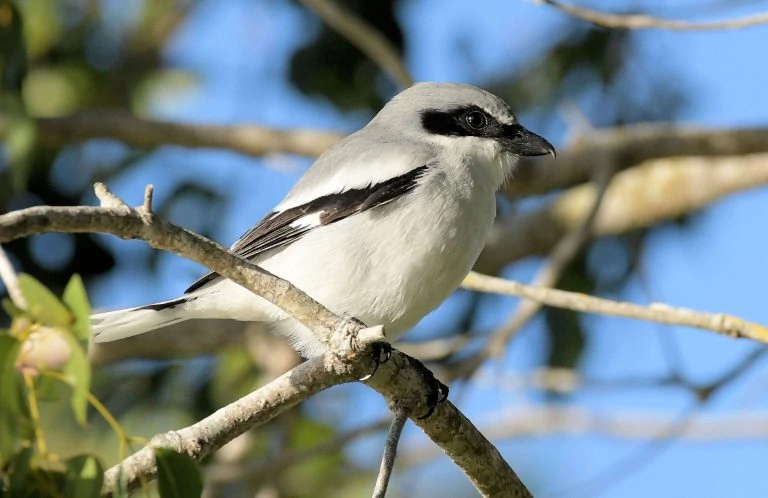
point(363, 36)
point(147, 133)
point(625, 146)
point(214, 431)
point(450, 430)
point(641, 21)
point(727, 325)
point(390, 451)
point(617, 148)
point(555, 419)
point(397, 380)
point(655, 191)
point(129, 223)
point(558, 260)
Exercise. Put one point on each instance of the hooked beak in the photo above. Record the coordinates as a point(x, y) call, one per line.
point(522, 142)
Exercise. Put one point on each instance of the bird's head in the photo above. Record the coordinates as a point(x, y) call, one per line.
point(464, 119)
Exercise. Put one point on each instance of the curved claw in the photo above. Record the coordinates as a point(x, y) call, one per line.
point(437, 396)
point(377, 348)
point(387, 349)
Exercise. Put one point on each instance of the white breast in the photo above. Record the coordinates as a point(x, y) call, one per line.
point(388, 266)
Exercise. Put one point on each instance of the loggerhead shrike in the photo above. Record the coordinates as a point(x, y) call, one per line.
point(383, 227)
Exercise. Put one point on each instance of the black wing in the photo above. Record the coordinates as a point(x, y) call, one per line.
point(276, 229)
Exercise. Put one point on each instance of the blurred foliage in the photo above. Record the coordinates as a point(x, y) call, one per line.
point(177, 475)
point(594, 69)
point(330, 67)
point(28, 376)
point(563, 327)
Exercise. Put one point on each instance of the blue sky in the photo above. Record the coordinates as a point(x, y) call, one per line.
point(239, 51)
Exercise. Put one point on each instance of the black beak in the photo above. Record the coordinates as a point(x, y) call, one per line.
point(522, 142)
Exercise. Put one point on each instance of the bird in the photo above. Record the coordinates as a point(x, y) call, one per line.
point(383, 227)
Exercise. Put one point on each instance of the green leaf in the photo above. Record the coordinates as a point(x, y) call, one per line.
point(85, 475)
point(10, 397)
point(19, 472)
point(77, 300)
point(12, 310)
point(178, 475)
point(78, 372)
point(47, 388)
point(42, 304)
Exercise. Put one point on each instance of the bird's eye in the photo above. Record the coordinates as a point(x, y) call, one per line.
point(476, 120)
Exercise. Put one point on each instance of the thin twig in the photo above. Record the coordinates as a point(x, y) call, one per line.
point(720, 323)
point(642, 21)
point(149, 192)
point(11, 281)
point(560, 257)
point(107, 198)
point(650, 450)
point(365, 37)
point(390, 451)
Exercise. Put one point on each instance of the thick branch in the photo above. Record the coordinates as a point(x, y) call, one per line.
point(641, 21)
point(640, 197)
point(145, 133)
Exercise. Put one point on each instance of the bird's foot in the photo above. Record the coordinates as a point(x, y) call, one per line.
point(377, 350)
point(438, 392)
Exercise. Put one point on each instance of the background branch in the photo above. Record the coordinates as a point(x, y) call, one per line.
point(551, 420)
point(559, 258)
point(640, 197)
point(625, 146)
point(363, 36)
point(146, 133)
point(641, 21)
point(615, 148)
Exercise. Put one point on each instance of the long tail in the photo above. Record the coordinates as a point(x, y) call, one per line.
point(114, 325)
